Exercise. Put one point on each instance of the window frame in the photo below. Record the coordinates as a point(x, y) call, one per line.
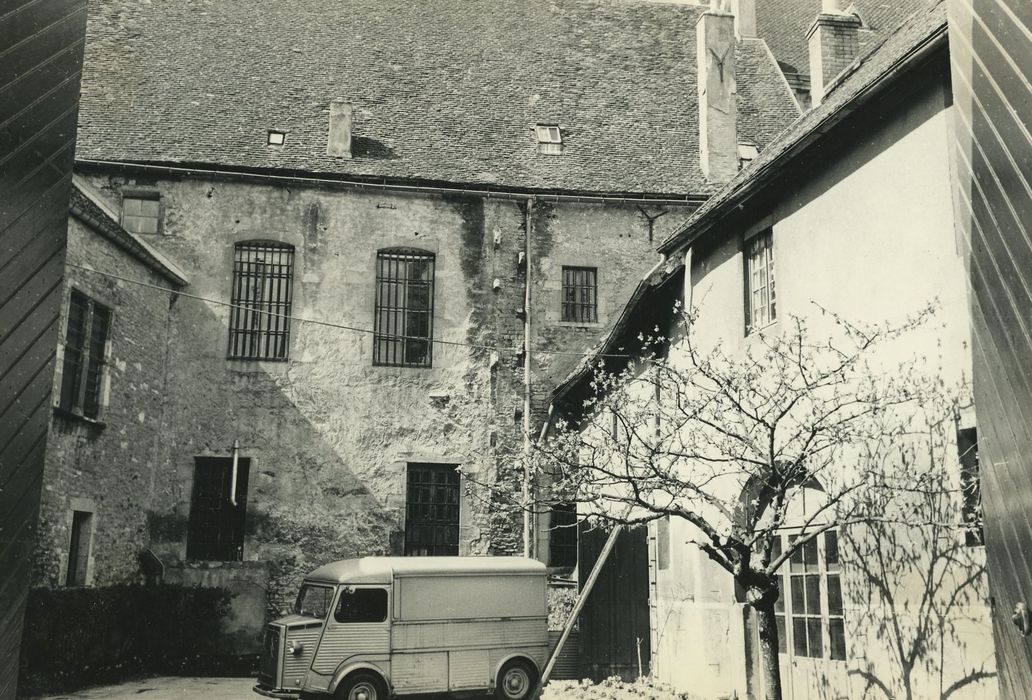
point(75, 373)
point(352, 590)
point(562, 551)
point(399, 286)
point(79, 549)
point(143, 195)
point(203, 542)
point(571, 308)
point(413, 504)
point(785, 608)
point(766, 272)
point(250, 307)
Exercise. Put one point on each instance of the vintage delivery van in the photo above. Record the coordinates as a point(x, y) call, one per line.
point(379, 627)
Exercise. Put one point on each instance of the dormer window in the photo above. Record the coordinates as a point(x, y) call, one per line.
point(550, 139)
point(276, 137)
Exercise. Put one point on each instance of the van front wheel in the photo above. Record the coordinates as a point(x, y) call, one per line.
point(515, 681)
point(361, 686)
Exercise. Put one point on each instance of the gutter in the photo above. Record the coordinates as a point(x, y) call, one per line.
point(385, 184)
point(757, 181)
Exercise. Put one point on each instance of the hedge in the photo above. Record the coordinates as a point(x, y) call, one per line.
point(81, 636)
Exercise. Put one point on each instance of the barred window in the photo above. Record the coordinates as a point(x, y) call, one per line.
point(404, 314)
point(263, 277)
point(580, 294)
point(432, 514)
point(809, 610)
point(760, 300)
point(84, 348)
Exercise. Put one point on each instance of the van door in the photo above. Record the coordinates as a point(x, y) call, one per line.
point(357, 629)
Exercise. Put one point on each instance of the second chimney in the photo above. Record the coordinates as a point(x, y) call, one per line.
point(834, 44)
point(339, 141)
point(718, 98)
point(745, 18)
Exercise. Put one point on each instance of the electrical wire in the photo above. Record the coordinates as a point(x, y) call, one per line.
point(329, 324)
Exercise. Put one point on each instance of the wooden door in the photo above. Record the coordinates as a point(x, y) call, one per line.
point(991, 61)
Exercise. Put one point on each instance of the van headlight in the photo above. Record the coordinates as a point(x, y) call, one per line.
point(295, 648)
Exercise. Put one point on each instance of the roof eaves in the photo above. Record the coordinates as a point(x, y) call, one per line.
point(755, 177)
point(95, 212)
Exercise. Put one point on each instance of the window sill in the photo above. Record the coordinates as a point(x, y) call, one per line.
point(71, 416)
point(579, 324)
point(760, 331)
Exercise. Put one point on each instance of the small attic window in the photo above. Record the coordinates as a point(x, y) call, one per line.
point(276, 137)
point(747, 153)
point(550, 138)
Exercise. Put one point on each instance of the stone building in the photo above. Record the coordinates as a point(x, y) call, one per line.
point(851, 210)
point(401, 224)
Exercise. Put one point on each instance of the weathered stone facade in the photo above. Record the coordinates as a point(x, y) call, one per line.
point(328, 434)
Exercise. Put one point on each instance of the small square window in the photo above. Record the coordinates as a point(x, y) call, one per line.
point(580, 295)
point(550, 138)
point(141, 212)
point(277, 138)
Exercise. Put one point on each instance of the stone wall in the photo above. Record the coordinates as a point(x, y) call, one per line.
point(117, 467)
point(329, 435)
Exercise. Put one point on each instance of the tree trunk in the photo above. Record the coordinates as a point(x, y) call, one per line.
point(770, 669)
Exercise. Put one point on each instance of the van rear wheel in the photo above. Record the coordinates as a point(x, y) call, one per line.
point(361, 686)
point(515, 681)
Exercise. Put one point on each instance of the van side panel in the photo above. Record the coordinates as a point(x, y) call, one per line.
point(342, 642)
point(469, 669)
point(467, 634)
point(420, 672)
point(469, 596)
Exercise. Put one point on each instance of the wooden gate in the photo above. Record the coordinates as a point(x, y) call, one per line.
point(991, 56)
point(614, 624)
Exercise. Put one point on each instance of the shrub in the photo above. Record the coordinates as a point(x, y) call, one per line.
point(80, 636)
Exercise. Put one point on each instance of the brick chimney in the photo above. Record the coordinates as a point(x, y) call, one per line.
point(745, 18)
point(834, 44)
point(718, 93)
point(339, 141)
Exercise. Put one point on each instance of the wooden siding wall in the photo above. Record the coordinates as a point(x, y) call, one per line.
point(991, 56)
point(41, 45)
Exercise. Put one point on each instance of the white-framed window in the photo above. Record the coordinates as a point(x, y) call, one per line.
point(85, 356)
point(760, 297)
point(810, 612)
point(550, 138)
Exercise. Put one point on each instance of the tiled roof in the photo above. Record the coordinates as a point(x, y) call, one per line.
point(925, 24)
point(784, 23)
point(443, 90)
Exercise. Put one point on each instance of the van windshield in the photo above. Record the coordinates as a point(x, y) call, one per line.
point(313, 601)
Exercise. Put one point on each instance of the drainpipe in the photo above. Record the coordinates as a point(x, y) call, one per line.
point(527, 521)
point(233, 477)
point(659, 264)
point(688, 288)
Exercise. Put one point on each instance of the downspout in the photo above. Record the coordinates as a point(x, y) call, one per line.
point(688, 287)
point(233, 477)
point(527, 315)
point(659, 264)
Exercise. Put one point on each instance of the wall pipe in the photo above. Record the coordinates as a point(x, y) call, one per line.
point(527, 315)
point(233, 477)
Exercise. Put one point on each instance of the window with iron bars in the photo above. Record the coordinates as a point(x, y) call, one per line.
point(404, 314)
point(760, 299)
point(84, 348)
point(432, 513)
point(263, 277)
point(216, 527)
point(580, 294)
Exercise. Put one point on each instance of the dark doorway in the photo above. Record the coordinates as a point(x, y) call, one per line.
point(432, 512)
point(216, 531)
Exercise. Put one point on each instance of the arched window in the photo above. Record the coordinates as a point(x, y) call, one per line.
point(263, 281)
point(404, 314)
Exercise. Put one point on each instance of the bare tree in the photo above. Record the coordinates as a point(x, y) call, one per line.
point(729, 440)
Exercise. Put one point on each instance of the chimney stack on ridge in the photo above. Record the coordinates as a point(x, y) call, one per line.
point(718, 92)
point(834, 44)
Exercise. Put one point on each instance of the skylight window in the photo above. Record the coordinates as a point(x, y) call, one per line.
point(276, 137)
point(550, 138)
